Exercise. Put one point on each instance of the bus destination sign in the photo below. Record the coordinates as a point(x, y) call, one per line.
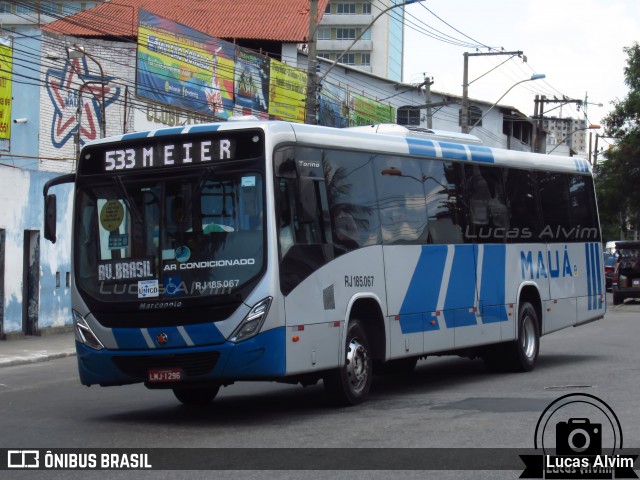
point(169, 154)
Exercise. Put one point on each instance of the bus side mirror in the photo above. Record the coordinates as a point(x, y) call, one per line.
point(308, 201)
point(50, 217)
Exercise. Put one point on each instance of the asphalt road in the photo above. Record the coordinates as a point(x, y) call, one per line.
point(446, 403)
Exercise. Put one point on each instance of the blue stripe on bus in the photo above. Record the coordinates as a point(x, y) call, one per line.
point(481, 154)
point(492, 287)
point(134, 136)
point(424, 288)
point(129, 339)
point(453, 151)
point(587, 254)
point(462, 288)
point(421, 147)
point(168, 131)
point(205, 333)
point(599, 272)
point(203, 128)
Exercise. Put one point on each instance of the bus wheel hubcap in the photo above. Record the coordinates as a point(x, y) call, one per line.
point(528, 337)
point(357, 365)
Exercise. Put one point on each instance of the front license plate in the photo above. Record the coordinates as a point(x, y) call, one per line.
point(159, 375)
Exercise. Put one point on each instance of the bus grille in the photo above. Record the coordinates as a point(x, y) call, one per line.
point(138, 366)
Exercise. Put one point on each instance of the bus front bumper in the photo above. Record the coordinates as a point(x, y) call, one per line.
point(260, 357)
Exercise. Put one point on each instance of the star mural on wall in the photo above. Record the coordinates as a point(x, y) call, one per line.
point(63, 87)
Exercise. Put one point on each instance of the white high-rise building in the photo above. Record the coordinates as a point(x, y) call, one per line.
point(560, 131)
point(380, 49)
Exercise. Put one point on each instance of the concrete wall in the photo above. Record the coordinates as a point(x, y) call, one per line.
point(21, 192)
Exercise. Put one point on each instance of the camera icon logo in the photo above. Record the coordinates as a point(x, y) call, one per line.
point(578, 436)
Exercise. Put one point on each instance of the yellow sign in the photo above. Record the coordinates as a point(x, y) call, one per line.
point(287, 92)
point(111, 215)
point(6, 67)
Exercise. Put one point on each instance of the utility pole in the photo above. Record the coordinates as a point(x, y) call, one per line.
point(427, 95)
point(539, 102)
point(312, 85)
point(464, 116)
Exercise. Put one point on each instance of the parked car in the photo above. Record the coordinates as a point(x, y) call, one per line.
point(609, 267)
point(626, 276)
point(610, 246)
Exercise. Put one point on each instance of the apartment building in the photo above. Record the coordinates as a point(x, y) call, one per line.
point(379, 49)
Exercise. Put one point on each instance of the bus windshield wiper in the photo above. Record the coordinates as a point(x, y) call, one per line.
point(137, 216)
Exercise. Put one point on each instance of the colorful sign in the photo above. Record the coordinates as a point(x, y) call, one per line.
point(287, 92)
point(252, 80)
point(333, 108)
point(6, 67)
point(183, 67)
point(365, 111)
point(65, 122)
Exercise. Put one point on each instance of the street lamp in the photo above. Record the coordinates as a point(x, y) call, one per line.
point(535, 76)
point(78, 51)
point(590, 127)
point(313, 83)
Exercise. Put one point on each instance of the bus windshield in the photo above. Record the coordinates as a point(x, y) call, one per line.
point(160, 238)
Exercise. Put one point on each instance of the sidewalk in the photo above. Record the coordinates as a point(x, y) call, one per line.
point(32, 349)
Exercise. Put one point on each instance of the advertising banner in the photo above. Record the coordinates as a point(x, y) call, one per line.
point(287, 92)
point(332, 103)
point(6, 67)
point(183, 67)
point(365, 111)
point(252, 80)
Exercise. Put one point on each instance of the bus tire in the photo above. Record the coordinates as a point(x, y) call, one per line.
point(523, 352)
point(617, 298)
point(196, 396)
point(349, 385)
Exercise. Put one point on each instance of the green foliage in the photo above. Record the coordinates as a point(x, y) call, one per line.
point(618, 176)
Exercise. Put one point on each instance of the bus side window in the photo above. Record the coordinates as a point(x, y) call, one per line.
point(442, 186)
point(522, 202)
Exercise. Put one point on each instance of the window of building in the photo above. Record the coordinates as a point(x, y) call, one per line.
point(345, 8)
point(365, 59)
point(475, 114)
point(25, 9)
point(408, 116)
point(366, 35)
point(324, 55)
point(346, 33)
point(5, 7)
point(366, 8)
point(324, 34)
point(327, 10)
point(348, 59)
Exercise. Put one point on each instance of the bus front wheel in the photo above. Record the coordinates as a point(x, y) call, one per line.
point(349, 385)
point(196, 396)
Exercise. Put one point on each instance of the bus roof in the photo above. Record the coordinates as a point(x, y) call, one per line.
point(414, 143)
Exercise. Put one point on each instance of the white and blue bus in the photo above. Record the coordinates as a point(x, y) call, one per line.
point(209, 254)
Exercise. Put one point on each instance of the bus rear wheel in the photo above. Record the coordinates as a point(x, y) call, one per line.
point(349, 385)
point(196, 396)
point(521, 354)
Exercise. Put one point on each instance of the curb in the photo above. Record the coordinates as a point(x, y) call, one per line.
point(35, 358)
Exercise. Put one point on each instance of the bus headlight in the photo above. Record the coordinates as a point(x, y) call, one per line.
point(84, 335)
point(252, 323)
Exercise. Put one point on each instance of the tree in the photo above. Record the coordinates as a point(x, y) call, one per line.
point(618, 176)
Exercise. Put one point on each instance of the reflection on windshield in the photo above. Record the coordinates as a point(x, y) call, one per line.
point(160, 239)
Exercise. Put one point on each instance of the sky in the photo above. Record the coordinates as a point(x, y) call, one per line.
point(577, 44)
